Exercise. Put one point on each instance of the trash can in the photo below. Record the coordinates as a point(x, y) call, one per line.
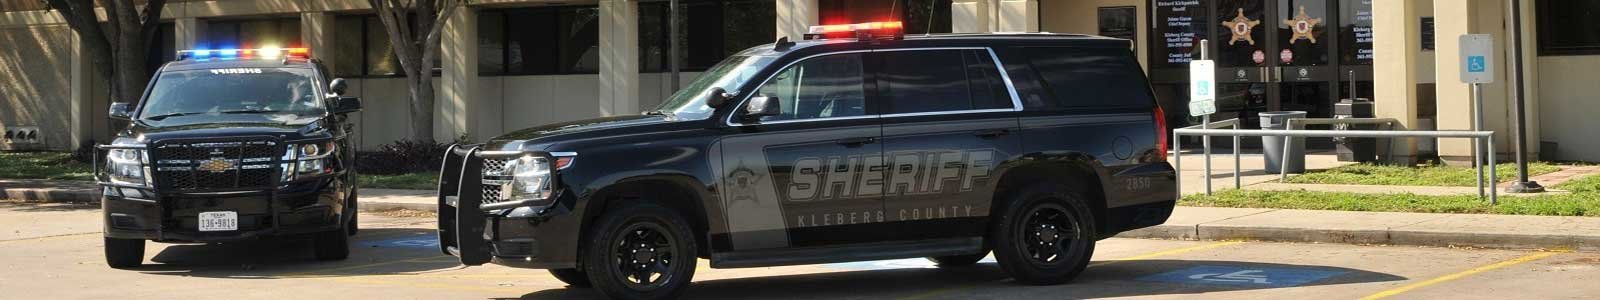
point(1355, 149)
point(1272, 146)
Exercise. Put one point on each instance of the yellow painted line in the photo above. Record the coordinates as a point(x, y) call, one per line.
point(1459, 275)
point(1150, 255)
point(50, 237)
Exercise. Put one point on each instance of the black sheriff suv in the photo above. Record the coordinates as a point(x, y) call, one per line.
point(229, 145)
point(857, 143)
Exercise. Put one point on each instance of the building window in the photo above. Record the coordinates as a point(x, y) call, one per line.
point(709, 31)
point(258, 33)
point(918, 16)
point(539, 41)
point(362, 49)
point(1567, 27)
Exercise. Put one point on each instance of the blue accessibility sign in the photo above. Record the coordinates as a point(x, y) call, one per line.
point(415, 241)
point(1476, 64)
point(1244, 276)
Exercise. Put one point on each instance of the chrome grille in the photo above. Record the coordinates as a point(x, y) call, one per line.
point(493, 181)
point(213, 165)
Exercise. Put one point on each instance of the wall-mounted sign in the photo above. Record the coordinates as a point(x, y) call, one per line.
point(1241, 26)
point(1301, 26)
point(1427, 34)
point(1120, 22)
point(1179, 25)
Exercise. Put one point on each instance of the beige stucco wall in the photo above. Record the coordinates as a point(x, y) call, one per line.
point(35, 83)
point(1082, 16)
point(1569, 110)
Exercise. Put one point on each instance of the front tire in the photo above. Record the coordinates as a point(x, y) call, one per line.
point(124, 253)
point(641, 251)
point(1046, 235)
point(332, 245)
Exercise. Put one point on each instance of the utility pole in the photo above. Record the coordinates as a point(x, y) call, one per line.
point(1523, 184)
point(672, 44)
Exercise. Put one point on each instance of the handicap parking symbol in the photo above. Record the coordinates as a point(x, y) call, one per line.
point(1475, 64)
point(418, 241)
point(1244, 276)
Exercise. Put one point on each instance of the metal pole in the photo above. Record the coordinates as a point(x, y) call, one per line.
point(1236, 183)
point(1283, 165)
point(1177, 163)
point(1205, 123)
point(1523, 184)
point(672, 44)
point(1477, 125)
point(1494, 179)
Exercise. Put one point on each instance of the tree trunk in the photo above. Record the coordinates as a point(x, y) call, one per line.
point(422, 107)
point(416, 44)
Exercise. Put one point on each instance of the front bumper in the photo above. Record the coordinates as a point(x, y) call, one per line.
point(307, 206)
point(525, 236)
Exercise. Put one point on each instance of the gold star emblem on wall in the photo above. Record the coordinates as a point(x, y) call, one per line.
point(1301, 25)
point(1241, 27)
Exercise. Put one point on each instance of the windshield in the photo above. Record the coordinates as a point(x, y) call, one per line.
point(233, 90)
point(689, 103)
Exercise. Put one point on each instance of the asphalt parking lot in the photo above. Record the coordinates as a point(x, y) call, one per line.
point(52, 251)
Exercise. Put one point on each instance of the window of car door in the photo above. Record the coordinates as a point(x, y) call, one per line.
point(941, 81)
point(818, 88)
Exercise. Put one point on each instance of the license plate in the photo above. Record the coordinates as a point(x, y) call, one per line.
point(219, 221)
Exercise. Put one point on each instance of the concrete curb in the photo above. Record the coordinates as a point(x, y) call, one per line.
point(49, 195)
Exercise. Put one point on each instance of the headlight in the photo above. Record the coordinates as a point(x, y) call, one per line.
point(307, 160)
point(530, 179)
point(126, 166)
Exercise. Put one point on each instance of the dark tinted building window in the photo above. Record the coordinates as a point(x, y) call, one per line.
point(539, 41)
point(1243, 33)
point(823, 87)
point(709, 31)
point(1089, 77)
point(1568, 27)
point(924, 81)
point(918, 16)
point(163, 49)
point(361, 48)
point(221, 34)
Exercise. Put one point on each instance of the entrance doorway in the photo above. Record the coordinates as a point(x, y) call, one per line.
point(1271, 55)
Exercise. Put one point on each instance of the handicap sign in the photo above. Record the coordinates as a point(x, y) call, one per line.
point(1203, 89)
point(418, 241)
point(1477, 58)
point(1475, 64)
point(1244, 276)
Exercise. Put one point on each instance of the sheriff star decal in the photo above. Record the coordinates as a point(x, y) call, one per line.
point(1302, 25)
point(1241, 27)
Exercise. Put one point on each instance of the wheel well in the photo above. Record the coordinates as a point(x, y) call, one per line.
point(1078, 176)
point(672, 194)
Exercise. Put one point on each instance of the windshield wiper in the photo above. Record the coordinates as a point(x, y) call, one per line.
point(164, 116)
point(251, 111)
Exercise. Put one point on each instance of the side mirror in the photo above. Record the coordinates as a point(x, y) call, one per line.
point(345, 105)
point(717, 98)
point(761, 106)
point(121, 111)
point(337, 87)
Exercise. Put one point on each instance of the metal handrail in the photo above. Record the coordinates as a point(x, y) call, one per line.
point(1229, 123)
point(1486, 136)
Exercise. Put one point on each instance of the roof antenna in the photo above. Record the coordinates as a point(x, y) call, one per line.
point(783, 44)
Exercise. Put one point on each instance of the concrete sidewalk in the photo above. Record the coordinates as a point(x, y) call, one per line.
point(1416, 229)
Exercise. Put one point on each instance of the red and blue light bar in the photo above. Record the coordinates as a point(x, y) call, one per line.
point(259, 53)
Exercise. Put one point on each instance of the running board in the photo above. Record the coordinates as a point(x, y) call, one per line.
point(846, 253)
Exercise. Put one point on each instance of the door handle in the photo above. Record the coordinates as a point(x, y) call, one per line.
point(857, 142)
point(991, 133)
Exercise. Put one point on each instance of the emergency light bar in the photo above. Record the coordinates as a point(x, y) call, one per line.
point(260, 53)
point(892, 29)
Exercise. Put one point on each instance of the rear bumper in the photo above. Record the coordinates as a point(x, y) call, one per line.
point(309, 206)
point(539, 237)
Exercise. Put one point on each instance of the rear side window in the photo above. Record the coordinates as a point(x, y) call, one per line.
point(1088, 77)
point(916, 81)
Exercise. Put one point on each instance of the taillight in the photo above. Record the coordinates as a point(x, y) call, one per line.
point(1161, 133)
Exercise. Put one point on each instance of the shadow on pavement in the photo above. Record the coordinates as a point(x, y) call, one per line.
point(374, 251)
point(1123, 279)
point(23, 206)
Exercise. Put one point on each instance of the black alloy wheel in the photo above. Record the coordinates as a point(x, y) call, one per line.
point(1047, 234)
point(640, 251)
point(643, 255)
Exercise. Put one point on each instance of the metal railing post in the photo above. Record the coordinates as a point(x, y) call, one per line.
point(1236, 180)
point(1494, 179)
point(1177, 161)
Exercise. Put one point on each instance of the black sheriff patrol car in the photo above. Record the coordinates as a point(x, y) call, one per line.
point(855, 144)
point(229, 145)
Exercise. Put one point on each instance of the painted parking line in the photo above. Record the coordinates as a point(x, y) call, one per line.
point(1459, 275)
point(50, 237)
point(939, 292)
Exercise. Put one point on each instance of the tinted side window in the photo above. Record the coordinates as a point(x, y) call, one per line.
point(821, 87)
point(988, 89)
point(1090, 77)
point(924, 81)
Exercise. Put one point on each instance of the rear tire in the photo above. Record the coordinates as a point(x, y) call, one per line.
point(355, 215)
point(641, 251)
point(332, 245)
point(573, 277)
point(1045, 236)
point(124, 253)
point(958, 260)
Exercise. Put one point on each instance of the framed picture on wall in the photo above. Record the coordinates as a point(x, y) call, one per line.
point(1120, 22)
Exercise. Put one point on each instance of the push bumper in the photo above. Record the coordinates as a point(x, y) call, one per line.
point(508, 234)
point(309, 206)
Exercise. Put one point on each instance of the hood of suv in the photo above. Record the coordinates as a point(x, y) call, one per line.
point(284, 126)
point(588, 128)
